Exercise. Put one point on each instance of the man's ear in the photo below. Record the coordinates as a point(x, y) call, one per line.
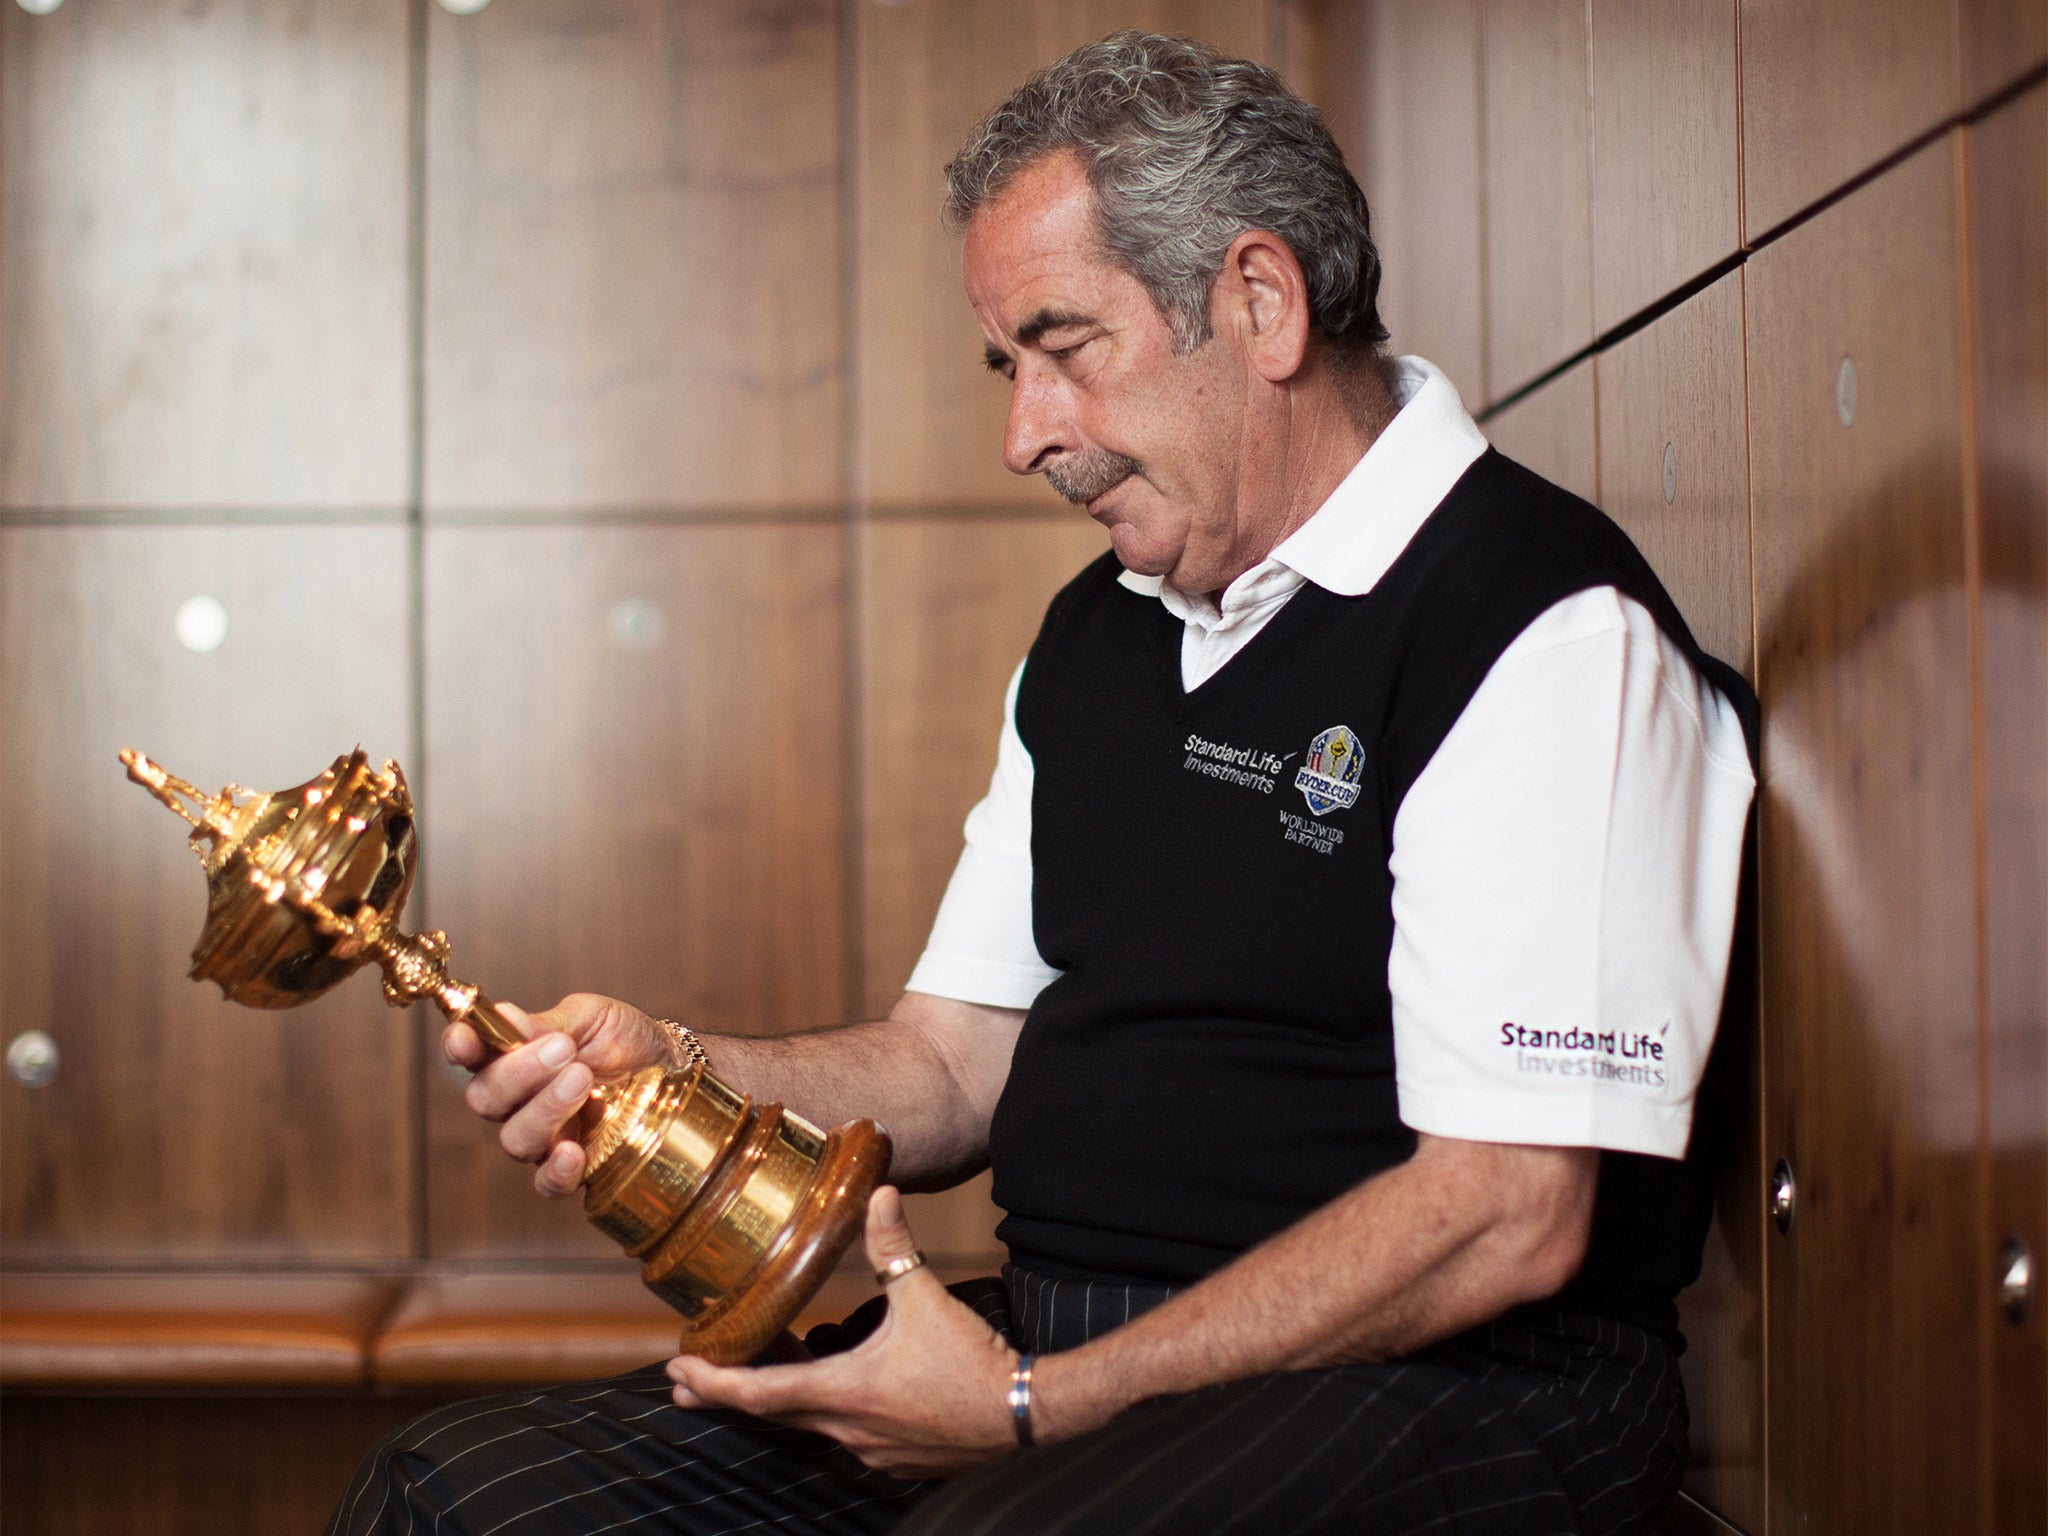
point(1263, 294)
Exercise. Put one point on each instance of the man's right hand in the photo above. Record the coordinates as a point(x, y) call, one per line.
point(535, 1092)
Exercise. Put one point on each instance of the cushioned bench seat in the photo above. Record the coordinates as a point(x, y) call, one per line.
point(88, 1332)
point(448, 1329)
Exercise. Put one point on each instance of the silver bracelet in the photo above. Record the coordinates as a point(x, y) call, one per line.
point(1019, 1399)
point(687, 1046)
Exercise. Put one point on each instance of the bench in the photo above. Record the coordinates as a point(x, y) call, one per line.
point(176, 1402)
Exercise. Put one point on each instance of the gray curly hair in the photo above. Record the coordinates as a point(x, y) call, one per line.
point(1187, 149)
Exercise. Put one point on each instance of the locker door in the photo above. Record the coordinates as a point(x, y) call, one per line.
point(1666, 166)
point(1868, 887)
point(633, 257)
point(2008, 178)
point(637, 760)
point(1551, 430)
point(180, 1128)
point(949, 608)
point(931, 417)
point(1674, 472)
point(1539, 260)
point(1831, 88)
point(203, 297)
point(1403, 89)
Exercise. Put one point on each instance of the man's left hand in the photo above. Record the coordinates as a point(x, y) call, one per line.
point(922, 1396)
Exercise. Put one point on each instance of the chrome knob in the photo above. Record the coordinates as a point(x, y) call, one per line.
point(1784, 1195)
point(33, 1058)
point(2015, 1279)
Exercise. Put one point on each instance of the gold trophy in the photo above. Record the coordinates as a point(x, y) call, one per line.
point(737, 1210)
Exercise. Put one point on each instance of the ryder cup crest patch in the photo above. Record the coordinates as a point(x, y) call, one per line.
point(1329, 779)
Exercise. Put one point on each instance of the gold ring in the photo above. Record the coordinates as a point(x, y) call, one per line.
point(896, 1269)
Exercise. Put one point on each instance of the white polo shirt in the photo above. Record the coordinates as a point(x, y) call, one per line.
point(1567, 861)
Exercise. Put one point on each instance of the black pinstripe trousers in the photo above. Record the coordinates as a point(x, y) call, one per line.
point(1541, 1422)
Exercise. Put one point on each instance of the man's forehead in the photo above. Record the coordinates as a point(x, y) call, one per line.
point(1032, 261)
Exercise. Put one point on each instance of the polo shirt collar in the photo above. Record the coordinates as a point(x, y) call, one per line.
point(1347, 546)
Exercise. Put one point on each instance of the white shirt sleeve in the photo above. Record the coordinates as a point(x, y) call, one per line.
point(981, 948)
point(1565, 873)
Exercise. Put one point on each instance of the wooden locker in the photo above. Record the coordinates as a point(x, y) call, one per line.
point(1829, 89)
point(1868, 881)
point(1537, 189)
point(2008, 237)
point(1674, 466)
point(1403, 102)
point(203, 297)
point(1551, 430)
point(1666, 159)
point(931, 416)
point(633, 257)
point(1674, 472)
point(2001, 40)
point(181, 1129)
point(637, 752)
point(948, 609)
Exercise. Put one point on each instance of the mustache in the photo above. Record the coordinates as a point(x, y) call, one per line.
point(1081, 477)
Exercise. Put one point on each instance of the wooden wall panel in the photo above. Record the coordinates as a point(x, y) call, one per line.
point(1537, 188)
point(1552, 431)
point(1671, 396)
point(182, 1129)
point(1828, 90)
point(1868, 880)
point(2001, 40)
point(633, 256)
point(636, 748)
point(931, 416)
point(948, 609)
point(203, 255)
point(1666, 154)
point(1403, 101)
point(2008, 171)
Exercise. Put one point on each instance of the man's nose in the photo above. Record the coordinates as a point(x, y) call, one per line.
point(1038, 428)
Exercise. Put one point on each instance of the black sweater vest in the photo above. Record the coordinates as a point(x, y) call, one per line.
point(1210, 877)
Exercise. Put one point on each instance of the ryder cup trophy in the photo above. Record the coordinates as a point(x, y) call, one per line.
point(737, 1210)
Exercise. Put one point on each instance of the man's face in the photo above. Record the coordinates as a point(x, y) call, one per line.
point(1149, 441)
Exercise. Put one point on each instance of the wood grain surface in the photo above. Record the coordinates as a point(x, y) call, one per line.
point(2008, 239)
point(1831, 88)
point(633, 283)
point(635, 785)
point(2001, 40)
point(1869, 886)
point(203, 255)
point(930, 414)
point(1675, 391)
point(182, 1129)
point(948, 608)
point(1672, 393)
point(1551, 430)
point(1667, 161)
point(1537, 188)
point(1403, 100)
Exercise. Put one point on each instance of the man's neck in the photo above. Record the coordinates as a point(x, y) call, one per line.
point(1334, 415)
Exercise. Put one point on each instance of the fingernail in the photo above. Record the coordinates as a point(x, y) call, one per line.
point(556, 1050)
point(573, 1084)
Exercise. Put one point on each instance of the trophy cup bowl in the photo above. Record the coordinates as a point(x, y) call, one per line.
point(736, 1210)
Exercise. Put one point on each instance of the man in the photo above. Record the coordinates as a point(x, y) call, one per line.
point(1328, 975)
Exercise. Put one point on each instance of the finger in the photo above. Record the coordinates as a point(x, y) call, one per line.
point(888, 1237)
point(766, 1391)
point(463, 1046)
point(532, 1132)
point(501, 1089)
point(562, 1172)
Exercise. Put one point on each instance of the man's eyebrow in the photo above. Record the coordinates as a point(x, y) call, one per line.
point(1049, 319)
